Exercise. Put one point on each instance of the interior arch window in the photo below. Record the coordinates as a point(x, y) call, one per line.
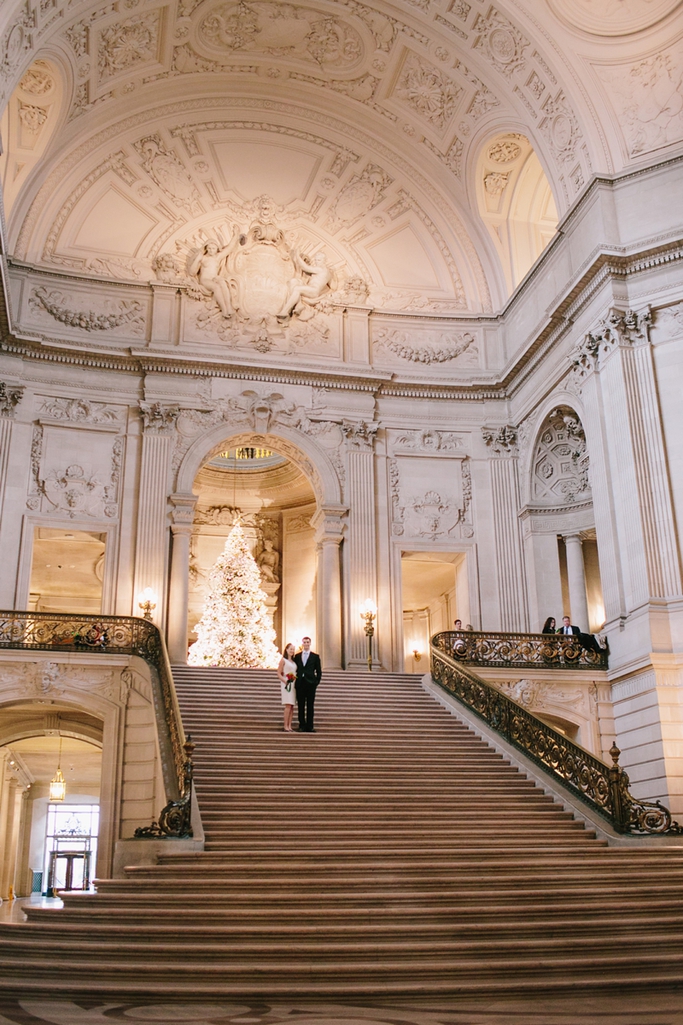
point(27, 125)
point(515, 202)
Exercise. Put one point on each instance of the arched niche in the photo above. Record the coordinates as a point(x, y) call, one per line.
point(515, 202)
point(559, 522)
point(28, 123)
point(560, 464)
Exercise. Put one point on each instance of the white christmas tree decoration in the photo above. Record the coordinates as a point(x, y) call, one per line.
point(235, 628)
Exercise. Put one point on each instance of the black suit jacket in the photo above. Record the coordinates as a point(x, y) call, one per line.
point(311, 672)
point(574, 629)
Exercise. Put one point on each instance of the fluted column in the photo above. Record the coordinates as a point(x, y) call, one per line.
point(9, 398)
point(329, 526)
point(151, 551)
point(362, 535)
point(179, 579)
point(510, 565)
point(614, 365)
point(9, 811)
point(640, 559)
point(576, 581)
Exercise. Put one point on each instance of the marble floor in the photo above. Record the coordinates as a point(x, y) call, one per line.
point(653, 1008)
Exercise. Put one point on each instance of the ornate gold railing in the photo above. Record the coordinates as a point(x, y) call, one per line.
point(121, 635)
point(526, 651)
point(604, 787)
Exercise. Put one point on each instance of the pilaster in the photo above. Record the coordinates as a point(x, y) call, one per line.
point(618, 354)
point(362, 534)
point(151, 554)
point(328, 522)
point(183, 507)
point(512, 589)
point(10, 396)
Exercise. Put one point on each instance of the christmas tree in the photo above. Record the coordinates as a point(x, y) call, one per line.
point(235, 628)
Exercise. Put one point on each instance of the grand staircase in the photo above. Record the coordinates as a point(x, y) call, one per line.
point(389, 853)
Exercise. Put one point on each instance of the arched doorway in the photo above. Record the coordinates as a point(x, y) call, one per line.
point(47, 843)
point(275, 503)
point(289, 496)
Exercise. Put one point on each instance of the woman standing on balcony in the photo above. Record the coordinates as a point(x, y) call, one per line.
point(549, 626)
point(286, 672)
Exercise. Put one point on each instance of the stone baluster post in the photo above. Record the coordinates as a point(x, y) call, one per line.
point(576, 580)
point(329, 527)
point(362, 536)
point(182, 514)
point(512, 586)
point(151, 551)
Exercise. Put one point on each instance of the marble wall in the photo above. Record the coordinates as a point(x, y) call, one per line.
point(565, 424)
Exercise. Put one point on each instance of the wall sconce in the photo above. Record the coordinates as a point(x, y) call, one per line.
point(368, 611)
point(147, 601)
point(58, 783)
point(417, 655)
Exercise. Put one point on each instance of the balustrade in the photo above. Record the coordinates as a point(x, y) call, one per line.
point(525, 651)
point(604, 787)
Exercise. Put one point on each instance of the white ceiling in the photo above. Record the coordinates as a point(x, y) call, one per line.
point(139, 129)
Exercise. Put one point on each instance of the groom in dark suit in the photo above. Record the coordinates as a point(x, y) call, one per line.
point(308, 673)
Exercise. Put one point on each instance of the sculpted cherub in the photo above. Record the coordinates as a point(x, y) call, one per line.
point(319, 276)
point(206, 265)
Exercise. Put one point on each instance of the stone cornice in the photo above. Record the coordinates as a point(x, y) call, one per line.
point(602, 264)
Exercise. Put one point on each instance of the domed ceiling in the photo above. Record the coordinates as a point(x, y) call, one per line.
point(137, 130)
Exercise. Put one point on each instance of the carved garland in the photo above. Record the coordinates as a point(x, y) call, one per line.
point(397, 342)
point(89, 320)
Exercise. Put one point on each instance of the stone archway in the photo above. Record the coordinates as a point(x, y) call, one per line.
point(559, 520)
point(315, 456)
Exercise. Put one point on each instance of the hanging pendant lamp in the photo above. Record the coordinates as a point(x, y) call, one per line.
point(58, 783)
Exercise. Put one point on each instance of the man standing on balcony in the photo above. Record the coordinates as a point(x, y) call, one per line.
point(308, 673)
point(587, 641)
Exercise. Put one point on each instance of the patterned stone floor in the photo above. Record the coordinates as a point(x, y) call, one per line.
point(652, 1008)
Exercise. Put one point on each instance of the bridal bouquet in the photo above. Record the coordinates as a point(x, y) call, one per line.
point(290, 680)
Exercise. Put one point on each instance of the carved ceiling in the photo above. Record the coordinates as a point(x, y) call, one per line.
point(136, 130)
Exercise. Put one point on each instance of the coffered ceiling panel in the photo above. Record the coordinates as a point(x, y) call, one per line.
point(403, 261)
point(113, 224)
point(252, 168)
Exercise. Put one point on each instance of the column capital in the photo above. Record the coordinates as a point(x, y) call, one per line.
point(328, 522)
point(616, 329)
point(183, 507)
point(359, 434)
point(158, 418)
point(10, 396)
point(502, 440)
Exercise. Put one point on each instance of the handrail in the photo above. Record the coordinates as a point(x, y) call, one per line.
point(121, 635)
point(604, 787)
point(527, 651)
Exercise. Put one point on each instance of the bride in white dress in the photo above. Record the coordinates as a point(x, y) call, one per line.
point(287, 668)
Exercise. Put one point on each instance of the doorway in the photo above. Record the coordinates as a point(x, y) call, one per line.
point(274, 503)
point(434, 591)
point(67, 570)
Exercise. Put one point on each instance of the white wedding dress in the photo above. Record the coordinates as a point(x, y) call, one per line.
point(288, 696)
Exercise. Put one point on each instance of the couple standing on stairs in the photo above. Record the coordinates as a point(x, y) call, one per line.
point(299, 676)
